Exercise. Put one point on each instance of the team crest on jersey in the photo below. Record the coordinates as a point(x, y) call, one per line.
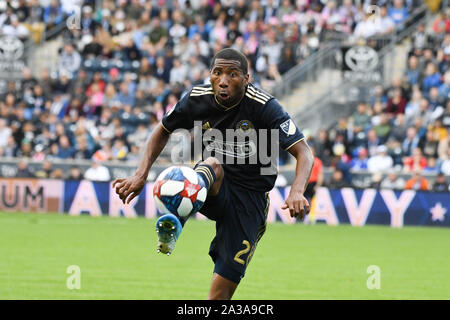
point(288, 127)
point(244, 125)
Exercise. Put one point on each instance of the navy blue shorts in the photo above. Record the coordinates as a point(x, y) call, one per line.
point(240, 216)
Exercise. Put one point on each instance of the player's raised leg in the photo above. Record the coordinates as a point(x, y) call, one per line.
point(169, 226)
point(211, 172)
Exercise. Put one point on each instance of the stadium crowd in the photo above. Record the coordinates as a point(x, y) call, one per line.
point(404, 128)
point(126, 63)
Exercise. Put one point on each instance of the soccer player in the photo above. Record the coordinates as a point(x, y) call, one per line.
point(237, 193)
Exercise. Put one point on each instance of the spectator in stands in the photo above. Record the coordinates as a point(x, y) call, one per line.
point(379, 96)
point(372, 142)
point(440, 184)
point(413, 73)
point(383, 129)
point(420, 38)
point(5, 133)
point(398, 12)
point(88, 24)
point(360, 161)
point(97, 172)
point(65, 150)
point(411, 141)
point(125, 97)
point(381, 162)
point(15, 29)
point(432, 78)
point(322, 147)
point(53, 14)
point(445, 165)
point(417, 182)
point(375, 113)
point(435, 103)
point(429, 145)
point(337, 180)
point(45, 171)
point(25, 150)
point(39, 154)
point(366, 28)
point(427, 57)
point(348, 13)
point(399, 127)
point(432, 166)
point(82, 151)
point(23, 171)
point(162, 70)
point(384, 22)
point(75, 173)
point(35, 14)
point(441, 24)
point(397, 103)
point(93, 48)
point(361, 118)
point(28, 81)
point(58, 173)
point(10, 150)
point(119, 150)
point(438, 129)
point(70, 60)
point(444, 89)
point(178, 73)
point(392, 181)
point(287, 60)
point(134, 155)
point(424, 113)
point(414, 162)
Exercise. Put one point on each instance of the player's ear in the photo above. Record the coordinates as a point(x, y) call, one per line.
point(246, 79)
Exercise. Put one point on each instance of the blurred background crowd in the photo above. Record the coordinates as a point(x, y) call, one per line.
point(406, 125)
point(125, 63)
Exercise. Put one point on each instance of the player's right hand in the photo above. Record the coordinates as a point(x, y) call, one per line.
point(128, 188)
point(297, 204)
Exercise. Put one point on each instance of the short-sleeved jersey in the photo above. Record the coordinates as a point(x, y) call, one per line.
point(257, 110)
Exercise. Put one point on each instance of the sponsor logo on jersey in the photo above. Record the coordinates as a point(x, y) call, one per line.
point(232, 149)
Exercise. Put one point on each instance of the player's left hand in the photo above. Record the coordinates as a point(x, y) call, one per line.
point(297, 204)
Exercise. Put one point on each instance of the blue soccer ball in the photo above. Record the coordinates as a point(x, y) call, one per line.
point(179, 191)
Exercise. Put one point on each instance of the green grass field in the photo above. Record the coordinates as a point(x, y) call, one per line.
point(118, 260)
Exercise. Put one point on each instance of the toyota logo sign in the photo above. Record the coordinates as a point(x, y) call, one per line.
point(11, 48)
point(361, 58)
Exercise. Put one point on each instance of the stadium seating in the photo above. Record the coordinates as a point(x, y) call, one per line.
point(142, 51)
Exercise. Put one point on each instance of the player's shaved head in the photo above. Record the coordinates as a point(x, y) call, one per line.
point(231, 55)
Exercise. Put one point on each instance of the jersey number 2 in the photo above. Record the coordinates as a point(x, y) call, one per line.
point(238, 255)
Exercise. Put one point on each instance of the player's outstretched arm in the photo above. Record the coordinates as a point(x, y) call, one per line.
point(130, 187)
point(296, 202)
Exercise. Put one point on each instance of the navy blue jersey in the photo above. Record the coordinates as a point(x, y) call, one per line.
point(244, 156)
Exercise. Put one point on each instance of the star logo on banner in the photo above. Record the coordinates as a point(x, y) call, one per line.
point(438, 212)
